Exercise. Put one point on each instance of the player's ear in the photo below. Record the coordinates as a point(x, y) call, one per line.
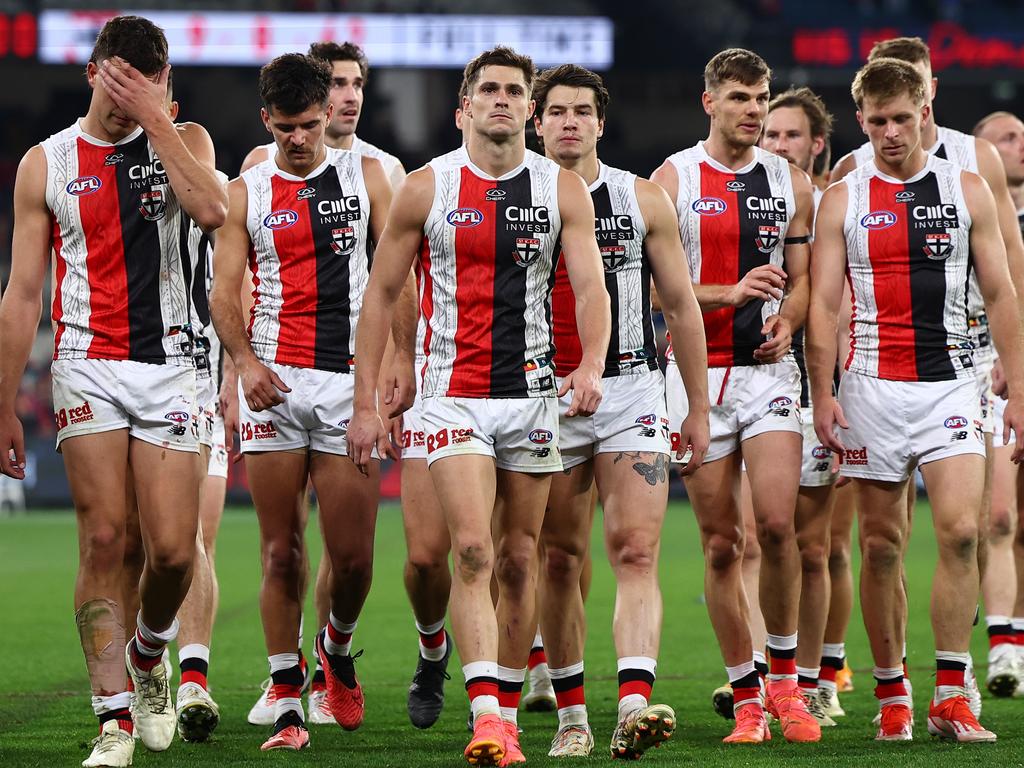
point(531, 108)
point(860, 121)
point(600, 127)
point(265, 116)
point(172, 110)
point(707, 101)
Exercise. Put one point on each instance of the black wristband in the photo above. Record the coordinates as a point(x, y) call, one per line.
point(797, 240)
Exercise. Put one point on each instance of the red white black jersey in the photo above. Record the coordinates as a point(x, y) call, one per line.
point(457, 157)
point(907, 261)
point(360, 147)
point(120, 244)
point(731, 222)
point(310, 261)
point(487, 266)
point(961, 149)
point(620, 230)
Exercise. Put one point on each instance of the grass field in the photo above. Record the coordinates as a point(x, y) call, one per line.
point(46, 721)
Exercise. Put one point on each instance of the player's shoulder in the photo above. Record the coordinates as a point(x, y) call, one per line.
point(67, 135)
point(454, 159)
point(366, 149)
point(538, 162)
point(619, 177)
point(689, 156)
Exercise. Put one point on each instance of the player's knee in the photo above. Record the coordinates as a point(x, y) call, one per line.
point(562, 565)
point(353, 570)
point(474, 559)
point(838, 561)
point(423, 565)
point(104, 548)
point(775, 530)
point(171, 561)
point(284, 561)
point(751, 550)
point(722, 552)
point(881, 550)
point(813, 558)
point(1000, 522)
point(959, 540)
point(512, 567)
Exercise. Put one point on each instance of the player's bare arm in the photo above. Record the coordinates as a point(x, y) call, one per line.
point(990, 266)
point(678, 304)
point(393, 260)
point(780, 328)
point(990, 168)
point(22, 302)
point(261, 386)
point(846, 164)
point(765, 282)
point(593, 307)
point(256, 156)
point(828, 276)
point(186, 150)
point(398, 383)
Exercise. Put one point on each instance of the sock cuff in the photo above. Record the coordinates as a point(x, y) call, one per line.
point(511, 675)
point(564, 672)
point(194, 651)
point(478, 669)
point(430, 629)
point(157, 638)
point(953, 656)
point(645, 663)
point(811, 672)
point(341, 626)
point(760, 657)
point(997, 621)
point(740, 670)
point(282, 661)
point(782, 642)
point(887, 673)
point(834, 650)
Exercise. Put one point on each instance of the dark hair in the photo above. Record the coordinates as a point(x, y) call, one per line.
point(293, 83)
point(332, 52)
point(500, 56)
point(884, 79)
point(737, 64)
point(138, 41)
point(912, 50)
point(804, 98)
point(573, 76)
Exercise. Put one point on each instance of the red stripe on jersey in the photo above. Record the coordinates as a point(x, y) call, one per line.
point(57, 310)
point(889, 253)
point(853, 323)
point(296, 254)
point(426, 297)
point(720, 261)
point(568, 350)
point(254, 267)
point(475, 252)
point(104, 262)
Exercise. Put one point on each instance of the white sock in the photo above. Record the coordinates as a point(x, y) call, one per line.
point(432, 654)
point(339, 649)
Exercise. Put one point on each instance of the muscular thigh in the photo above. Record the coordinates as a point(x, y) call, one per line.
point(568, 517)
point(634, 491)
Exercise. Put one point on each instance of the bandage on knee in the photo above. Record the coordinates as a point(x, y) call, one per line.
point(101, 628)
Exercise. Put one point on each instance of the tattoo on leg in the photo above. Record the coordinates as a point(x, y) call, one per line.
point(654, 472)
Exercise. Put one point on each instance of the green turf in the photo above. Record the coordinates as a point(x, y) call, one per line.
point(46, 721)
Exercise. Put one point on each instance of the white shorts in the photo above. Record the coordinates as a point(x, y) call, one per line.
point(156, 403)
point(816, 470)
point(632, 417)
point(896, 425)
point(207, 409)
point(746, 401)
point(414, 436)
point(521, 434)
point(314, 415)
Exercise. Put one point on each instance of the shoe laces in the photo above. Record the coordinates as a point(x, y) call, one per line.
point(960, 710)
point(573, 733)
point(108, 741)
point(815, 706)
point(344, 667)
point(748, 716)
point(430, 670)
point(894, 718)
point(267, 686)
point(153, 691)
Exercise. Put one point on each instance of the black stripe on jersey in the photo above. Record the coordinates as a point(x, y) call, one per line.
point(200, 297)
point(508, 331)
point(928, 289)
point(602, 210)
point(333, 347)
point(940, 152)
point(142, 254)
point(747, 322)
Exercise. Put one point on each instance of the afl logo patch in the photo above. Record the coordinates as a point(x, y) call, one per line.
point(709, 206)
point(878, 220)
point(541, 436)
point(178, 417)
point(780, 402)
point(955, 422)
point(83, 185)
point(465, 217)
point(280, 219)
point(820, 452)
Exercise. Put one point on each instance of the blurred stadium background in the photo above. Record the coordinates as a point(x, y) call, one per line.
point(652, 53)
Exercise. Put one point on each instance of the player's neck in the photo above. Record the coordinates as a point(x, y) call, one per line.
point(588, 167)
point(341, 142)
point(1017, 194)
point(93, 127)
point(930, 134)
point(732, 156)
point(910, 167)
point(494, 158)
point(284, 165)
